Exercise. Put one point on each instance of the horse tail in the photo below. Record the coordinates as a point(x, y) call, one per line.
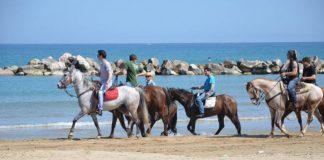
point(167, 98)
point(142, 108)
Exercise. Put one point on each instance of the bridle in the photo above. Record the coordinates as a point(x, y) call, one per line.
point(69, 84)
point(262, 94)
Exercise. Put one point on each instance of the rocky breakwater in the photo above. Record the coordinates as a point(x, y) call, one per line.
point(50, 66)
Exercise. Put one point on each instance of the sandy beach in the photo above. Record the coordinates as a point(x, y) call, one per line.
point(187, 147)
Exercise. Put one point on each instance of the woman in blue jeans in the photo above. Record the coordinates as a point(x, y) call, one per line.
point(292, 74)
point(208, 90)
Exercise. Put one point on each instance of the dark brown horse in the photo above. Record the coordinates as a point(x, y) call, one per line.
point(225, 106)
point(320, 107)
point(159, 107)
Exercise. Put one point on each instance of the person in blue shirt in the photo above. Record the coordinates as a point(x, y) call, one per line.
point(208, 87)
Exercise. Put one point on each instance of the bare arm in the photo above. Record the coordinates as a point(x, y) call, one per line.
point(313, 77)
point(143, 73)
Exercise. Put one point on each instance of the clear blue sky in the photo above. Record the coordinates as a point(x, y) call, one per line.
point(160, 21)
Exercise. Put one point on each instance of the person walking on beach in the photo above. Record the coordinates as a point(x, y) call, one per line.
point(106, 74)
point(309, 71)
point(132, 71)
point(149, 79)
point(209, 89)
point(292, 74)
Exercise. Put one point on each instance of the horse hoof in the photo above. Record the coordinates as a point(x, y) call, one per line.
point(288, 136)
point(164, 134)
point(270, 136)
point(70, 137)
point(98, 137)
point(111, 136)
point(301, 135)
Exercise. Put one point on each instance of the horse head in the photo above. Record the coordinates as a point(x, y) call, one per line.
point(254, 93)
point(68, 78)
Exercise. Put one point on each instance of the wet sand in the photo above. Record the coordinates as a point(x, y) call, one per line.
point(187, 147)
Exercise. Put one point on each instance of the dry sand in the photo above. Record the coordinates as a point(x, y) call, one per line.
point(179, 148)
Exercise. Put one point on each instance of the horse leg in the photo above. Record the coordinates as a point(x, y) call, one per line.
point(272, 113)
point(298, 115)
point(113, 125)
point(76, 118)
point(287, 112)
point(311, 109)
point(173, 125)
point(278, 122)
point(220, 122)
point(194, 126)
point(165, 121)
point(320, 120)
point(121, 120)
point(135, 121)
point(95, 121)
point(148, 131)
point(236, 123)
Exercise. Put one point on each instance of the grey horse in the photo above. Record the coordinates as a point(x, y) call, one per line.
point(130, 101)
point(276, 99)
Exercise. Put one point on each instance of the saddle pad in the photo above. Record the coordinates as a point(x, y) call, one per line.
point(111, 94)
point(210, 102)
point(303, 88)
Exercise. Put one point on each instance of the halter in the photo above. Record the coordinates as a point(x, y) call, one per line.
point(262, 93)
point(71, 85)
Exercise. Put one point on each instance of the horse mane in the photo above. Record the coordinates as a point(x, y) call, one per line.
point(84, 78)
point(182, 91)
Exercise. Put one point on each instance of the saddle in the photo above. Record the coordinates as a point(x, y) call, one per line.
point(209, 102)
point(111, 94)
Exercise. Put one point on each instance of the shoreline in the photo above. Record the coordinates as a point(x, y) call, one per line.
point(189, 147)
point(52, 67)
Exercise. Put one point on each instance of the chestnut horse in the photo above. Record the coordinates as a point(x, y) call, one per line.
point(161, 107)
point(224, 106)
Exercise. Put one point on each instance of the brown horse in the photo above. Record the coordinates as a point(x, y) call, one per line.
point(320, 107)
point(159, 107)
point(225, 106)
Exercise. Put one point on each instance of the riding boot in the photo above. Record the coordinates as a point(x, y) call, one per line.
point(100, 112)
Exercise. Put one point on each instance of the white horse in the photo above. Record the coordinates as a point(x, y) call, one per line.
point(130, 101)
point(276, 99)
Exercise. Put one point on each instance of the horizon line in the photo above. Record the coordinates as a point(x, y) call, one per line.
point(151, 43)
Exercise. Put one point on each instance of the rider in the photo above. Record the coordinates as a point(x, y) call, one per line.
point(149, 79)
point(309, 71)
point(208, 90)
point(132, 71)
point(292, 74)
point(106, 74)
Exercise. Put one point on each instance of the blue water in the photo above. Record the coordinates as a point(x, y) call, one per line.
point(193, 53)
point(33, 107)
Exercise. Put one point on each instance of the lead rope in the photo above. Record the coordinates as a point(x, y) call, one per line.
point(68, 93)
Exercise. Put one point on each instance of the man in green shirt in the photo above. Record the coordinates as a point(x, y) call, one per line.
point(133, 70)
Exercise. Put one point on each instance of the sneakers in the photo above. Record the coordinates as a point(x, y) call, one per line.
point(200, 115)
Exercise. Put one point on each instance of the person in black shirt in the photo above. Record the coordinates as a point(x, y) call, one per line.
point(309, 71)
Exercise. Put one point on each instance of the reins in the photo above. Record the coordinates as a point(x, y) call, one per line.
point(263, 94)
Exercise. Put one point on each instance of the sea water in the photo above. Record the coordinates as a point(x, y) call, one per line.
point(33, 107)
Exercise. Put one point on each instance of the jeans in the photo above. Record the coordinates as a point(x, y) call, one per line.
point(102, 91)
point(200, 100)
point(292, 90)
